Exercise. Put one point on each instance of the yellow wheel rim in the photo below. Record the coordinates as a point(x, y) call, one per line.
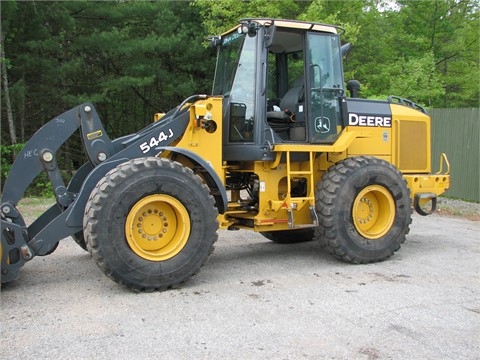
point(157, 227)
point(373, 212)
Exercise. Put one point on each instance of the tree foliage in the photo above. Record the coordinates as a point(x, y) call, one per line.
point(134, 58)
point(130, 58)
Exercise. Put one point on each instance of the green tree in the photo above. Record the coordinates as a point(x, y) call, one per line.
point(130, 58)
point(219, 16)
point(133, 58)
point(150, 56)
point(450, 29)
point(423, 50)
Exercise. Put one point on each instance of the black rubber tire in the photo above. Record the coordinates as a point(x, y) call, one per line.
point(336, 194)
point(115, 196)
point(289, 236)
point(80, 240)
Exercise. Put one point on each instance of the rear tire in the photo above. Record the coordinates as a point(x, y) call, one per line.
point(150, 224)
point(289, 236)
point(364, 209)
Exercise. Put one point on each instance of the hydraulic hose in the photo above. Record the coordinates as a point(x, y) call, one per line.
point(190, 98)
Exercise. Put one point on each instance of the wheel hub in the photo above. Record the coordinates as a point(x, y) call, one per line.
point(152, 226)
point(157, 227)
point(373, 212)
point(366, 210)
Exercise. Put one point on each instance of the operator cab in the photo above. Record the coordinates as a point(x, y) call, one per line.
point(282, 82)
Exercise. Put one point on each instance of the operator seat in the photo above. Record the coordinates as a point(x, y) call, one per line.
point(288, 104)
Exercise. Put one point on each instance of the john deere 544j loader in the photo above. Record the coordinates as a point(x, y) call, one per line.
point(277, 148)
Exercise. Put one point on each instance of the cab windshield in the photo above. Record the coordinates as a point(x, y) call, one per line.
point(227, 61)
point(235, 79)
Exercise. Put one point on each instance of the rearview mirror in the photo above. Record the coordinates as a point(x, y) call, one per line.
point(345, 48)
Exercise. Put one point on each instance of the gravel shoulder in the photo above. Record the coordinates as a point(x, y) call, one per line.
point(458, 208)
point(257, 299)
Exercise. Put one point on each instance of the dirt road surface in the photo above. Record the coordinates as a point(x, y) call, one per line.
point(255, 299)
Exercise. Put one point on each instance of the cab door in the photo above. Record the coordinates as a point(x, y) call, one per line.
point(324, 87)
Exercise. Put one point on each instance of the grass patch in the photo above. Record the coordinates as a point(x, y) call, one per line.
point(32, 208)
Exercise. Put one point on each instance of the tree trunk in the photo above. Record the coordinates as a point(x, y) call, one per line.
point(11, 127)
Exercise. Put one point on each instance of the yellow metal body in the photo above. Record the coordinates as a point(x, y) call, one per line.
point(158, 116)
point(406, 145)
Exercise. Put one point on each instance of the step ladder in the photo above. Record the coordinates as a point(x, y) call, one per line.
point(292, 204)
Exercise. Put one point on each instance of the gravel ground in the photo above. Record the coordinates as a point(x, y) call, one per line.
point(459, 208)
point(257, 299)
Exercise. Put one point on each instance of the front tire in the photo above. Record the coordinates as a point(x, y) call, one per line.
point(364, 209)
point(150, 224)
point(80, 240)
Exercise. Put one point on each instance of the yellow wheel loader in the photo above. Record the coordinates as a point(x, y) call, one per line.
point(277, 147)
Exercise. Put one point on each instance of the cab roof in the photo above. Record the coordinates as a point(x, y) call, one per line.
point(295, 24)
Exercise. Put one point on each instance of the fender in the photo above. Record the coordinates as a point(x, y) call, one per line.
point(76, 210)
point(211, 177)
